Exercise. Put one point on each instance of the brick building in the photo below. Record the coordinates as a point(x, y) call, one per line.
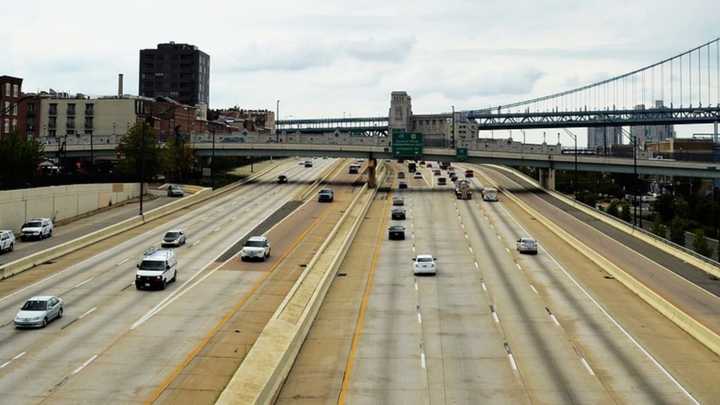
point(178, 71)
point(10, 93)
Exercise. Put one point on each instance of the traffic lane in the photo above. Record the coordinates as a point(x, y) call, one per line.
point(599, 345)
point(703, 306)
point(199, 377)
point(80, 227)
point(98, 295)
point(466, 354)
point(673, 263)
point(322, 362)
point(625, 363)
point(553, 370)
point(144, 235)
point(118, 305)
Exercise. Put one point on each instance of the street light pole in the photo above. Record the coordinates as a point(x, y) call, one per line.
point(212, 161)
point(452, 139)
point(635, 185)
point(142, 165)
point(277, 118)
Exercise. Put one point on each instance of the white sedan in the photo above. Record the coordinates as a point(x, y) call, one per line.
point(527, 245)
point(175, 237)
point(39, 311)
point(424, 264)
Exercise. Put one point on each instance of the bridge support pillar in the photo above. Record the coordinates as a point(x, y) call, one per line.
point(372, 179)
point(547, 178)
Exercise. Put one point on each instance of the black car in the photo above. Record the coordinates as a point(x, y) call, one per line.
point(397, 213)
point(396, 232)
point(175, 191)
point(398, 201)
point(402, 185)
point(282, 179)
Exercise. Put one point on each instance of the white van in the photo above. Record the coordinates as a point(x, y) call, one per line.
point(157, 269)
point(489, 194)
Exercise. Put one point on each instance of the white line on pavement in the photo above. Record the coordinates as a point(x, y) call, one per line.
point(477, 266)
point(483, 286)
point(195, 243)
point(19, 355)
point(470, 249)
point(495, 317)
point(587, 366)
point(416, 286)
point(88, 312)
point(518, 266)
point(512, 362)
point(506, 249)
point(554, 319)
point(419, 317)
point(534, 290)
point(5, 364)
point(88, 361)
point(84, 282)
point(422, 359)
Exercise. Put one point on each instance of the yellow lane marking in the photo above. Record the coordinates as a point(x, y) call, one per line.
point(363, 306)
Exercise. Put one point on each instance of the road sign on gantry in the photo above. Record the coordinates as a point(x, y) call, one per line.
point(407, 145)
point(461, 154)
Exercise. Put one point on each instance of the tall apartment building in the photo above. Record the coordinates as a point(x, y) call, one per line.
point(10, 93)
point(652, 133)
point(604, 137)
point(178, 71)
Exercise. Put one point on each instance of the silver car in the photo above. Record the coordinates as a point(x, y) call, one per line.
point(175, 237)
point(39, 311)
point(527, 245)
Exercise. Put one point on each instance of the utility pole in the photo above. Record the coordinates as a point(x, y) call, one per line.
point(92, 155)
point(635, 186)
point(277, 118)
point(452, 139)
point(142, 165)
point(212, 161)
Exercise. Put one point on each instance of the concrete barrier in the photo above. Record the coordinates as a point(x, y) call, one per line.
point(681, 318)
point(705, 264)
point(259, 378)
point(18, 266)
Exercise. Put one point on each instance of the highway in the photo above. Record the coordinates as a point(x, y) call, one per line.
point(114, 343)
point(493, 326)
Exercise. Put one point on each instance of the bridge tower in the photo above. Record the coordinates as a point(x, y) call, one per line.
point(400, 114)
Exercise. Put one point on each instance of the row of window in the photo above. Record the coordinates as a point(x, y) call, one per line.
point(70, 122)
point(53, 132)
point(10, 108)
point(9, 125)
point(10, 90)
point(89, 109)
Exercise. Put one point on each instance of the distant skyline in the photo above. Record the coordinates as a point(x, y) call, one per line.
point(329, 58)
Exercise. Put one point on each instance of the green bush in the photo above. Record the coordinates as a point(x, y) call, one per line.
point(700, 245)
point(677, 231)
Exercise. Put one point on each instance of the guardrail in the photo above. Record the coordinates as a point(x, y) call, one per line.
point(705, 264)
point(685, 321)
point(20, 265)
point(259, 378)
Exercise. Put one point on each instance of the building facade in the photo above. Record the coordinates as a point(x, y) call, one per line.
point(603, 138)
point(10, 93)
point(178, 71)
point(652, 133)
point(63, 115)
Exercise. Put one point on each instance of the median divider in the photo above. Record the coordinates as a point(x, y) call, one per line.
point(703, 263)
point(261, 375)
point(18, 266)
point(685, 321)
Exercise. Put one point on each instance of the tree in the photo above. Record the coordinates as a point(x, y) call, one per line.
point(664, 205)
point(178, 159)
point(130, 150)
point(20, 158)
point(658, 228)
point(700, 244)
point(612, 209)
point(677, 231)
point(625, 214)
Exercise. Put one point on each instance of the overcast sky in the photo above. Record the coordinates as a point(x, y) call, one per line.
point(332, 58)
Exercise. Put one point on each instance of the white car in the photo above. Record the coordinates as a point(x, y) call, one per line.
point(39, 311)
point(175, 237)
point(158, 268)
point(37, 228)
point(256, 248)
point(527, 245)
point(7, 241)
point(424, 264)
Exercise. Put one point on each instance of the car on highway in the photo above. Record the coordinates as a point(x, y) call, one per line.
point(256, 248)
point(156, 269)
point(308, 163)
point(282, 179)
point(398, 201)
point(489, 194)
point(175, 237)
point(469, 173)
point(354, 169)
point(527, 245)
point(7, 241)
point(418, 175)
point(453, 177)
point(441, 181)
point(396, 232)
point(397, 213)
point(326, 195)
point(402, 185)
point(39, 311)
point(424, 264)
point(36, 228)
point(436, 172)
point(401, 175)
point(174, 190)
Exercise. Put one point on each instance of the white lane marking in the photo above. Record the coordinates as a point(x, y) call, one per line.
point(512, 361)
point(499, 237)
point(19, 355)
point(484, 287)
point(554, 319)
point(123, 261)
point(419, 317)
point(607, 314)
point(534, 290)
point(422, 359)
point(518, 266)
point(466, 236)
point(495, 317)
point(477, 267)
point(5, 364)
point(506, 249)
point(84, 282)
point(88, 312)
point(470, 249)
point(416, 286)
point(462, 225)
point(587, 366)
point(413, 249)
point(87, 362)
point(195, 243)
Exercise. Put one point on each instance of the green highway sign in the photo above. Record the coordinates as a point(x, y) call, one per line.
point(407, 145)
point(461, 154)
